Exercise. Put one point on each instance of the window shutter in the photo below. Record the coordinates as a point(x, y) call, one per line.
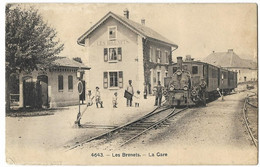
point(120, 79)
point(119, 52)
point(105, 55)
point(105, 80)
point(160, 56)
point(156, 56)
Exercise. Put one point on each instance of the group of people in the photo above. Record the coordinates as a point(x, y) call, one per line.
point(158, 94)
point(129, 99)
point(97, 97)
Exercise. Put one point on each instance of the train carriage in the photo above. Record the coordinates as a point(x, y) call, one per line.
point(223, 79)
point(211, 77)
point(198, 73)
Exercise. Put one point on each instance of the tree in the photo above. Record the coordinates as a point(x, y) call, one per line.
point(30, 43)
point(77, 59)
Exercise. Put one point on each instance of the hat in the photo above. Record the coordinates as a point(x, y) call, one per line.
point(97, 87)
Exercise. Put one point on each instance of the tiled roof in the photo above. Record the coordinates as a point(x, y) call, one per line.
point(66, 62)
point(229, 59)
point(146, 31)
point(139, 28)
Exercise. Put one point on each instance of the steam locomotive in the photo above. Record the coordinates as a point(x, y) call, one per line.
point(193, 82)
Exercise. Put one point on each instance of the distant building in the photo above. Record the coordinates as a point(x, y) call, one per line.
point(119, 49)
point(53, 87)
point(246, 69)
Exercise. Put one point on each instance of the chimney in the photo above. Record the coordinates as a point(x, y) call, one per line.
point(230, 50)
point(143, 22)
point(179, 62)
point(188, 58)
point(126, 13)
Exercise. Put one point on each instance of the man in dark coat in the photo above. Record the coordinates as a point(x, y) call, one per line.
point(158, 94)
point(203, 86)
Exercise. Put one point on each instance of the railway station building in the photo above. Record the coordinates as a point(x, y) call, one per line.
point(118, 50)
point(246, 69)
point(52, 87)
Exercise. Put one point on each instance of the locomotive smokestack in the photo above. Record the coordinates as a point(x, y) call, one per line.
point(179, 62)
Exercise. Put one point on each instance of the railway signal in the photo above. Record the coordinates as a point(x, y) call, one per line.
point(80, 87)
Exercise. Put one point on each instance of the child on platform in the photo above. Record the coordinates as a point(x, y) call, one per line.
point(114, 101)
point(137, 101)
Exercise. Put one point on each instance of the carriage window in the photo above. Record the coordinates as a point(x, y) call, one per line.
point(194, 69)
point(60, 82)
point(214, 73)
point(224, 75)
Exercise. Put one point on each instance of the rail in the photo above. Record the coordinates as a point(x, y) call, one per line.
point(247, 125)
point(118, 128)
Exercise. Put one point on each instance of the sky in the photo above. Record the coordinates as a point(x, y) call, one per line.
point(198, 29)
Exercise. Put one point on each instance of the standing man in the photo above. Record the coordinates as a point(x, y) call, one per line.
point(130, 89)
point(158, 94)
point(98, 98)
point(203, 86)
point(145, 91)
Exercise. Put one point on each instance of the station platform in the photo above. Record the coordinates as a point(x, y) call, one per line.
point(52, 132)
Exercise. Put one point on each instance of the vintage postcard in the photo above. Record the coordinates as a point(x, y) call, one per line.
point(131, 84)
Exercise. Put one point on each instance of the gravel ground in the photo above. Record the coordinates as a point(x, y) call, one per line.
point(39, 139)
point(210, 135)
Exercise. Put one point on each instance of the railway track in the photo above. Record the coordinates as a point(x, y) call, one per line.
point(250, 119)
point(125, 134)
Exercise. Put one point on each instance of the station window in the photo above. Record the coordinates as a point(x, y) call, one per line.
point(113, 79)
point(70, 82)
point(158, 56)
point(166, 57)
point(60, 82)
point(151, 54)
point(194, 69)
point(112, 30)
point(112, 54)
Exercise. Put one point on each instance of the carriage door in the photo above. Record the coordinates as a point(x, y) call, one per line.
point(43, 90)
point(205, 73)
